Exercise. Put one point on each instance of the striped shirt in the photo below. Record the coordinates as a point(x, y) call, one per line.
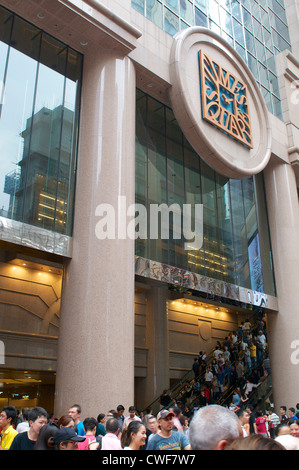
point(274, 419)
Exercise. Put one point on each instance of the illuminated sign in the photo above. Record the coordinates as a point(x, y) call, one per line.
point(224, 100)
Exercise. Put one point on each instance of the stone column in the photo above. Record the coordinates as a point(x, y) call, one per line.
point(283, 211)
point(96, 338)
point(157, 378)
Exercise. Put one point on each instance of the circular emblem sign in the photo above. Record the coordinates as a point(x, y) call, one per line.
point(218, 104)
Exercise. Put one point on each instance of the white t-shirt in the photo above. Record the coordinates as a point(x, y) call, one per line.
point(22, 427)
point(208, 376)
point(217, 352)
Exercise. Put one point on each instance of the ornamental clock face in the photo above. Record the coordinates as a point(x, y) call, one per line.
point(224, 100)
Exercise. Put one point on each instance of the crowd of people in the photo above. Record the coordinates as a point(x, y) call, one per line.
point(239, 364)
point(211, 427)
point(194, 419)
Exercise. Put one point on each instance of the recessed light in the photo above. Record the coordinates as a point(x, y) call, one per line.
point(83, 42)
point(41, 15)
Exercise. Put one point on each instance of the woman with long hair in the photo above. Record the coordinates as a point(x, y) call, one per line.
point(134, 436)
point(45, 439)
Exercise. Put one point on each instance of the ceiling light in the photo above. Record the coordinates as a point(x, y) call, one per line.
point(41, 15)
point(83, 42)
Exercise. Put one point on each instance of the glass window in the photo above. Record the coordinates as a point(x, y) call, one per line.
point(225, 4)
point(279, 42)
point(20, 81)
point(255, 280)
point(175, 190)
point(267, 39)
point(274, 86)
point(280, 26)
point(247, 19)
point(200, 18)
point(141, 165)
point(138, 5)
point(236, 10)
point(278, 9)
point(265, 18)
point(41, 164)
point(226, 21)
point(267, 97)
point(241, 51)
point(210, 223)
point(264, 78)
point(187, 11)
point(154, 12)
point(239, 234)
point(271, 64)
point(277, 107)
point(252, 63)
point(173, 5)
point(255, 10)
point(214, 11)
point(157, 172)
point(248, 25)
point(260, 50)
point(238, 32)
point(257, 29)
point(202, 4)
point(171, 22)
point(228, 38)
point(39, 127)
point(169, 171)
point(69, 138)
point(249, 40)
point(214, 27)
point(224, 215)
point(196, 258)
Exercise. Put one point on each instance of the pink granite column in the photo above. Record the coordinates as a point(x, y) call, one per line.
point(283, 327)
point(96, 338)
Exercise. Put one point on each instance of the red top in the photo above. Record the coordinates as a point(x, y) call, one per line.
point(261, 426)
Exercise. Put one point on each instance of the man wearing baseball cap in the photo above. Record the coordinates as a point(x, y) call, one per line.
point(166, 438)
point(67, 439)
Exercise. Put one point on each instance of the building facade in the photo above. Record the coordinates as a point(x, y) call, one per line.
point(149, 193)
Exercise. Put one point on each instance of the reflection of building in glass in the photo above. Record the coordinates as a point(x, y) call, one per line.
point(42, 187)
point(11, 187)
point(255, 29)
point(168, 169)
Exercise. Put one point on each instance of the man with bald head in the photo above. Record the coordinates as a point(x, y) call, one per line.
point(214, 427)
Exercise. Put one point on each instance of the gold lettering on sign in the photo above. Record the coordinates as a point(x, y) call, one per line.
point(224, 100)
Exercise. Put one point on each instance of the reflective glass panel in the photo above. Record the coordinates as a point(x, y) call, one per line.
point(247, 25)
point(154, 12)
point(38, 125)
point(236, 244)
